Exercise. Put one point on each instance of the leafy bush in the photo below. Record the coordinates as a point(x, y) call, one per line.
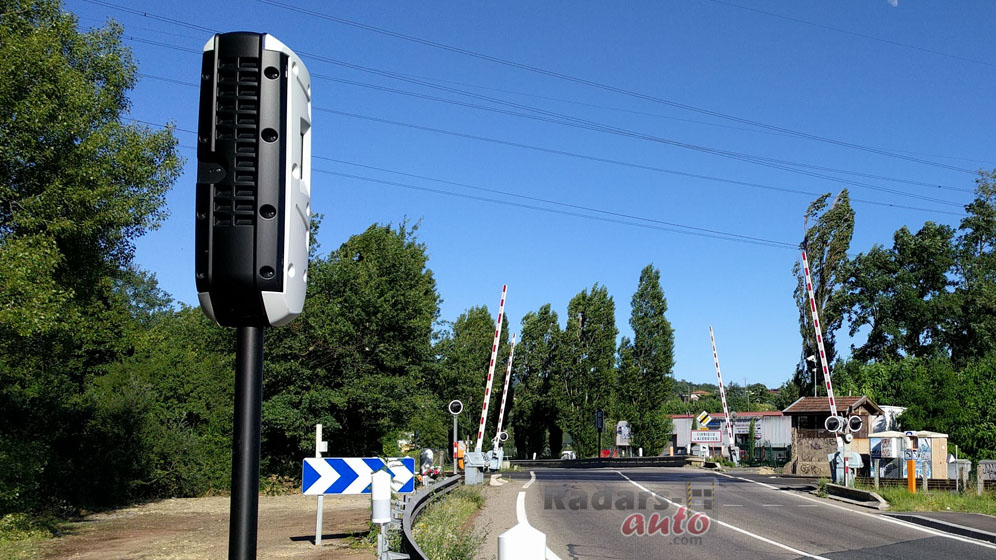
point(440, 531)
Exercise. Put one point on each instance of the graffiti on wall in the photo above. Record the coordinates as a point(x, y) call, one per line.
point(809, 454)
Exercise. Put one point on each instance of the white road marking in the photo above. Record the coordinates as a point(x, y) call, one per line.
point(532, 479)
point(520, 508)
point(727, 525)
point(733, 505)
point(880, 517)
point(520, 516)
point(771, 505)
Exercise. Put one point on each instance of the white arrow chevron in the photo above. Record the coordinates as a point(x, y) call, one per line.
point(326, 476)
point(400, 475)
point(363, 473)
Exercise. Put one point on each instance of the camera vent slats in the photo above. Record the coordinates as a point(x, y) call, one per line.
point(237, 119)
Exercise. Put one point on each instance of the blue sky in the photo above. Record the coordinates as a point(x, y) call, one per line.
point(913, 79)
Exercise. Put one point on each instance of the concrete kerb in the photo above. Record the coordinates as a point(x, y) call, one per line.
point(953, 528)
point(856, 496)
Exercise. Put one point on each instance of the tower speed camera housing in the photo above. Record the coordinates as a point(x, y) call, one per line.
point(253, 181)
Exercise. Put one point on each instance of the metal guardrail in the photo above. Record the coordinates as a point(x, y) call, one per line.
point(414, 507)
point(675, 461)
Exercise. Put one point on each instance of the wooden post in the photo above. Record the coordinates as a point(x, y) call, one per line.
point(911, 476)
point(978, 475)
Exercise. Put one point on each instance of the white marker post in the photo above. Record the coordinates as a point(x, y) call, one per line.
point(722, 396)
point(491, 371)
point(320, 447)
point(504, 393)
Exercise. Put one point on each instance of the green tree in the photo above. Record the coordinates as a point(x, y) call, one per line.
point(77, 187)
point(751, 432)
point(974, 331)
point(646, 366)
point(826, 243)
point(585, 369)
point(535, 412)
point(902, 294)
point(464, 354)
point(167, 410)
point(357, 359)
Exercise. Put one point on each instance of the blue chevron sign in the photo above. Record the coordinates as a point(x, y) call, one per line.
point(351, 475)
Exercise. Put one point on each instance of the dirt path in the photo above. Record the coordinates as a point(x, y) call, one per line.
point(197, 529)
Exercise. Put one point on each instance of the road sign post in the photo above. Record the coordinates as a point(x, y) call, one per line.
point(320, 447)
point(455, 408)
point(599, 426)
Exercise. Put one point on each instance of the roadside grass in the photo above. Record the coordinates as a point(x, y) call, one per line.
point(21, 535)
point(440, 530)
point(900, 499)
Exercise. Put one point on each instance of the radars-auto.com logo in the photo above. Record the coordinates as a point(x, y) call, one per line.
point(650, 516)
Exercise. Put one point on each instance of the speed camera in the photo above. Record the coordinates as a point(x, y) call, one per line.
point(253, 181)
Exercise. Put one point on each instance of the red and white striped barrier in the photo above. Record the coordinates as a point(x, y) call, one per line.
point(722, 393)
point(819, 333)
point(504, 392)
point(491, 371)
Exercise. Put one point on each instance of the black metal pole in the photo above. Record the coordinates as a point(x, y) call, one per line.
point(599, 454)
point(245, 444)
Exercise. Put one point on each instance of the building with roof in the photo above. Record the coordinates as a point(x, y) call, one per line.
point(811, 442)
point(771, 429)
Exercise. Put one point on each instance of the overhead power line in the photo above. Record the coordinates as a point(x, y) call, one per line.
point(566, 120)
point(855, 33)
point(559, 118)
point(437, 80)
point(595, 158)
point(605, 160)
point(558, 75)
point(647, 223)
point(606, 87)
point(606, 216)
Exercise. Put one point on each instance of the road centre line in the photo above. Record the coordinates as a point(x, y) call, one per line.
point(880, 517)
point(724, 524)
point(532, 479)
point(520, 516)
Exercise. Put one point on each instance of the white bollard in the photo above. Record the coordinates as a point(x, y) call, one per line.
point(522, 542)
point(380, 497)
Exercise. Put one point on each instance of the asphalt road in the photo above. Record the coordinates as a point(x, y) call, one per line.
point(584, 514)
